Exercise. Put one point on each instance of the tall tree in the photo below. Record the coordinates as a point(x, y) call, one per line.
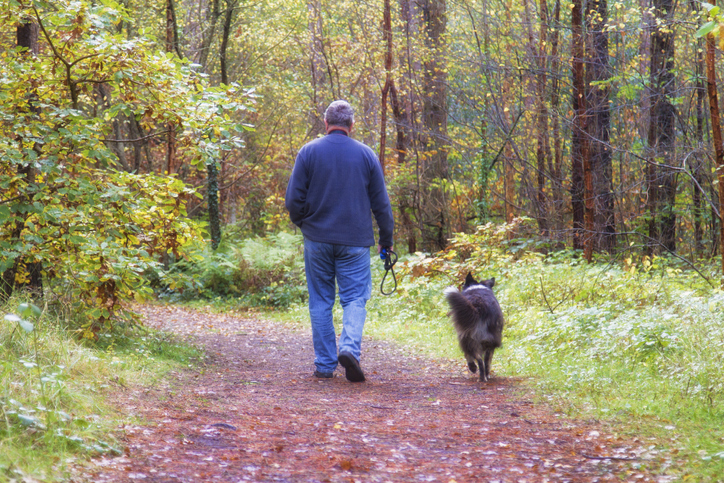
point(30, 270)
point(581, 198)
point(389, 89)
point(599, 124)
point(226, 34)
point(319, 68)
point(557, 168)
point(661, 173)
point(716, 134)
point(172, 41)
point(409, 195)
point(697, 168)
point(543, 149)
point(208, 32)
point(434, 137)
point(172, 45)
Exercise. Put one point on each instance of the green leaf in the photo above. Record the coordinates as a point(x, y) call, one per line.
point(27, 420)
point(25, 325)
point(706, 29)
point(12, 318)
point(37, 311)
point(4, 214)
point(24, 309)
point(81, 423)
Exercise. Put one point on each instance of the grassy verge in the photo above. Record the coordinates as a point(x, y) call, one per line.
point(53, 391)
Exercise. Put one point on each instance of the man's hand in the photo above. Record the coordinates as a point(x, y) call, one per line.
point(383, 251)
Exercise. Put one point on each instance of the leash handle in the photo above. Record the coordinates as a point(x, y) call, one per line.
point(390, 258)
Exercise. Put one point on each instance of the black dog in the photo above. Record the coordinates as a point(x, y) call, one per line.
point(478, 321)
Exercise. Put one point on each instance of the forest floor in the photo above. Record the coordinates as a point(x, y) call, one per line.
point(253, 411)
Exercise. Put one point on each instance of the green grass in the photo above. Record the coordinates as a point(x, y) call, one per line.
point(53, 391)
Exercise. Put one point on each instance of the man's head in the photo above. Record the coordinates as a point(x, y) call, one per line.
point(339, 114)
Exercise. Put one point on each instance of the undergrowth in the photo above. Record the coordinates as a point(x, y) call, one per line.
point(53, 388)
point(254, 272)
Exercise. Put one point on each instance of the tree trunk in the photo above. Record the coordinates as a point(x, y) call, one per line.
point(26, 37)
point(391, 90)
point(318, 68)
point(599, 126)
point(543, 149)
point(434, 118)
point(508, 168)
point(644, 64)
point(409, 100)
point(208, 34)
point(213, 201)
point(716, 134)
point(557, 168)
point(389, 81)
point(696, 168)
point(171, 46)
point(411, 220)
point(485, 162)
point(580, 165)
point(661, 175)
point(172, 43)
point(228, 18)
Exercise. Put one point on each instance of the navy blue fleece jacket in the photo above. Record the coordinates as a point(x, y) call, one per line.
point(335, 187)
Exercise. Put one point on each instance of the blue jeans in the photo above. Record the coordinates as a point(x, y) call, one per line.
point(350, 266)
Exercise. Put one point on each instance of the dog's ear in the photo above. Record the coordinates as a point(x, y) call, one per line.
point(469, 280)
point(490, 283)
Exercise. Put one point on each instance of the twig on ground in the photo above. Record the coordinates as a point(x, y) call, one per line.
point(617, 458)
point(543, 291)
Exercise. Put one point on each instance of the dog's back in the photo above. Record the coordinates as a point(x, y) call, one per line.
point(478, 320)
point(476, 315)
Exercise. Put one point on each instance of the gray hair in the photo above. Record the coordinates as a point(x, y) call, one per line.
point(339, 113)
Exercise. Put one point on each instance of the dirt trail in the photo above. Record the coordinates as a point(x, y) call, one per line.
point(256, 413)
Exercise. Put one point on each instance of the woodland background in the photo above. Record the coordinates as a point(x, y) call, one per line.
point(127, 125)
point(572, 150)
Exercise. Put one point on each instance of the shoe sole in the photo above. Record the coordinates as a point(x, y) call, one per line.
point(353, 372)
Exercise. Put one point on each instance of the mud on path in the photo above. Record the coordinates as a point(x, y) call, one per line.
point(254, 412)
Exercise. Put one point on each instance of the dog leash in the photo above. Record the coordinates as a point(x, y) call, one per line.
point(390, 258)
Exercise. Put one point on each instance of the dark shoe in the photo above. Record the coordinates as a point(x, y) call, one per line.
point(353, 371)
point(323, 375)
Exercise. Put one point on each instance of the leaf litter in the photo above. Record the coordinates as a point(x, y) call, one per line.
point(253, 411)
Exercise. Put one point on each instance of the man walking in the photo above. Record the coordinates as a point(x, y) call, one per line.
point(335, 187)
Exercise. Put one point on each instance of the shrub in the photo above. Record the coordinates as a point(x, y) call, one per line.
point(256, 271)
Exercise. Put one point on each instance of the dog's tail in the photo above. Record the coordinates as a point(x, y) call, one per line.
point(463, 313)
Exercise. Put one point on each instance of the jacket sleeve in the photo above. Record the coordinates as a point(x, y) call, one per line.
point(380, 204)
point(296, 195)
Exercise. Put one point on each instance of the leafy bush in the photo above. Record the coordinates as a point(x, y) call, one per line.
point(257, 271)
point(69, 208)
